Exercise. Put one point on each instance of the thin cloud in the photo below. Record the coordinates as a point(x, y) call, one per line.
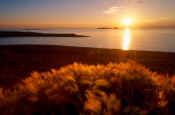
point(120, 5)
point(112, 10)
point(140, 1)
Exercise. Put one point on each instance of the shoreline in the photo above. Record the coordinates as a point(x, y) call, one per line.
point(36, 34)
point(18, 61)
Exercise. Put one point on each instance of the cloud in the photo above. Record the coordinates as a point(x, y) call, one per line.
point(140, 1)
point(127, 1)
point(121, 5)
point(112, 10)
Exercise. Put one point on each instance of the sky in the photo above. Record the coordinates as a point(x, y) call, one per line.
point(87, 13)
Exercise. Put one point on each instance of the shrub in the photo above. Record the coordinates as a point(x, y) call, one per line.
point(125, 88)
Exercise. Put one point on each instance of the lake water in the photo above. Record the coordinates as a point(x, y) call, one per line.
point(126, 39)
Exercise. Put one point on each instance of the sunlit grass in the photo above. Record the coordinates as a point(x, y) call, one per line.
point(124, 88)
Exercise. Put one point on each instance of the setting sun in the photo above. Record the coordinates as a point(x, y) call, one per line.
point(127, 22)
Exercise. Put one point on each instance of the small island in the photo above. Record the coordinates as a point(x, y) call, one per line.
point(107, 28)
point(36, 34)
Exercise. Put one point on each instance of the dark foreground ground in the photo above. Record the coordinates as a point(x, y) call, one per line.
point(17, 62)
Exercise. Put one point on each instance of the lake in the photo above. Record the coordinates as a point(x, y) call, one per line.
point(126, 39)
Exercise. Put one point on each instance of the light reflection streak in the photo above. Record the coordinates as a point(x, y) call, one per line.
point(126, 39)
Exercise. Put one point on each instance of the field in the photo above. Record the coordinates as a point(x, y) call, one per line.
point(17, 62)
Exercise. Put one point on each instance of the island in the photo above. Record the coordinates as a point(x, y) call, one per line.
point(107, 28)
point(36, 34)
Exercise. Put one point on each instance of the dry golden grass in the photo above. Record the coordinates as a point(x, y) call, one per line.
point(125, 88)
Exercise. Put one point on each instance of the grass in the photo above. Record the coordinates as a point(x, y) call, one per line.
point(124, 89)
point(20, 60)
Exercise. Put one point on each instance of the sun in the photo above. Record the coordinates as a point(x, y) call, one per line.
point(127, 22)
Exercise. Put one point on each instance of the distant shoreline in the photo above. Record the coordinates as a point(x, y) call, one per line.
point(36, 34)
point(106, 28)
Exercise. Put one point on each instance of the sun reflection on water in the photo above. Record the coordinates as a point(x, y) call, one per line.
point(126, 39)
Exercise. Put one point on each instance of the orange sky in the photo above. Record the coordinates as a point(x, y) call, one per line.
point(87, 13)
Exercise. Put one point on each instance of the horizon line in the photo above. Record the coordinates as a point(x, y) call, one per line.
point(98, 26)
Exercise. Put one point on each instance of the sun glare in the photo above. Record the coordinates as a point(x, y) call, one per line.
point(127, 22)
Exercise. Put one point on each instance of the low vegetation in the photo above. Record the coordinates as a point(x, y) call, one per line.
point(119, 89)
